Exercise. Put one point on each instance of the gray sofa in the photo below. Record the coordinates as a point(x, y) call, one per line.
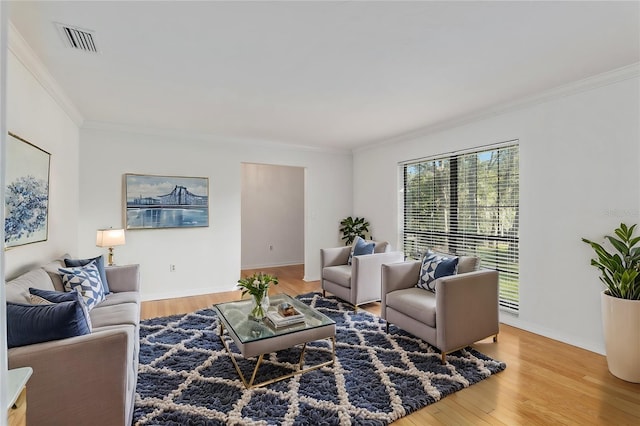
point(89, 379)
point(463, 310)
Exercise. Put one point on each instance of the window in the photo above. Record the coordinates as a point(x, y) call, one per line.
point(467, 204)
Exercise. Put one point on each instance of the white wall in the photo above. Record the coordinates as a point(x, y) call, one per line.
point(4, 398)
point(207, 259)
point(272, 216)
point(35, 116)
point(579, 171)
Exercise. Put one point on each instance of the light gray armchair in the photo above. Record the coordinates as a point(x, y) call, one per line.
point(359, 282)
point(463, 310)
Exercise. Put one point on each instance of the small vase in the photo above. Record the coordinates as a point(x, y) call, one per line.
point(259, 307)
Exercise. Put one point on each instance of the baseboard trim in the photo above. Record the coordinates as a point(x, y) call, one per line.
point(178, 294)
point(516, 322)
point(270, 265)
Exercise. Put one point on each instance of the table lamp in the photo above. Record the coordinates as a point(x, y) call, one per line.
point(110, 238)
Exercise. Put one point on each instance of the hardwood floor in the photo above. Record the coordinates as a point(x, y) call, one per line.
point(546, 382)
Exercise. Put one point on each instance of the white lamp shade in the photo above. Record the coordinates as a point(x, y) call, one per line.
point(110, 237)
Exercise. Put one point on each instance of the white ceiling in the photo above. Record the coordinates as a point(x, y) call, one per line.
point(325, 74)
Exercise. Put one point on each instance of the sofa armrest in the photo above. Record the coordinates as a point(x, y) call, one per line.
point(123, 278)
point(466, 308)
point(397, 276)
point(82, 378)
point(334, 256)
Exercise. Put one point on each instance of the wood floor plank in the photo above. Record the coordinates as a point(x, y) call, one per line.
point(483, 403)
point(466, 413)
point(546, 382)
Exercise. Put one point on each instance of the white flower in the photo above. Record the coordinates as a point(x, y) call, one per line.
point(256, 282)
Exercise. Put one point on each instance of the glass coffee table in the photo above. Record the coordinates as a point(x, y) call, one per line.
point(256, 338)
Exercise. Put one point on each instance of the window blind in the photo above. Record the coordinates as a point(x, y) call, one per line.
point(467, 204)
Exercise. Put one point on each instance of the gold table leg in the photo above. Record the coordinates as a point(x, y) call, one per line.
point(300, 370)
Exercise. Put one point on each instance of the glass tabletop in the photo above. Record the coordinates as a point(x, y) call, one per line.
point(235, 315)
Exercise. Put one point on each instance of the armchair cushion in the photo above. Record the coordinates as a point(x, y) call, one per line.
point(415, 302)
point(340, 274)
point(433, 267)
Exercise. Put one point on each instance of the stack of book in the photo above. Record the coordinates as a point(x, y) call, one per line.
point(284, 316)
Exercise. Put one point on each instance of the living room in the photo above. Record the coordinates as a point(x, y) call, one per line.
point(579, 171)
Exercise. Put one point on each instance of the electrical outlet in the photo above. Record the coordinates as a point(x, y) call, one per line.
point(172, 268)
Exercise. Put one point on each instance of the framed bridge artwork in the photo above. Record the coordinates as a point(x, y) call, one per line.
point(166, 201)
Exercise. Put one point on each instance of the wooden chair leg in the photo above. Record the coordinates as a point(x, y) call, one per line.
point(444, 358)
point(324, 293)
point(495, 339)
point(387, 327)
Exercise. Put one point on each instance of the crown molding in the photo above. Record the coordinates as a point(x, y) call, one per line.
point(578, 86)
point(25, 54)
point(205, 137)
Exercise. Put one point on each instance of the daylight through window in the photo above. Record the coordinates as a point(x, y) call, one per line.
point(467, 204)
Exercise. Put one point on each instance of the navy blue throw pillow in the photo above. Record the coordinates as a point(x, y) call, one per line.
point(29, 324)
point(61, 296)
point(55, 296)
point(72, 263)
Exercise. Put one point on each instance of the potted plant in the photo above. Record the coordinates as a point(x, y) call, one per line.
point(257, 285)
point(620, 272)
point(352, 228)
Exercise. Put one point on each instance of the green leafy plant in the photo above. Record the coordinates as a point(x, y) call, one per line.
point(620, 271)
point(352, 228)
point(257, 284)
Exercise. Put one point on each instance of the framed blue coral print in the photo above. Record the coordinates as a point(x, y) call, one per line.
point(26, 193)
point(166, 201)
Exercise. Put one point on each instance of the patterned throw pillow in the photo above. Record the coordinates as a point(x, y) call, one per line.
point(73, 263)
point(433, 267)
point(86, 281)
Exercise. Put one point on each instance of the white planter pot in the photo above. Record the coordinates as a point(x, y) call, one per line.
point(621, 325)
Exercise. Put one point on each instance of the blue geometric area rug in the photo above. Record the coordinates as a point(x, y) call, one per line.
point(187, 378)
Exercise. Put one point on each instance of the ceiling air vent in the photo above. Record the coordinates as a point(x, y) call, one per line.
point(77, 38)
